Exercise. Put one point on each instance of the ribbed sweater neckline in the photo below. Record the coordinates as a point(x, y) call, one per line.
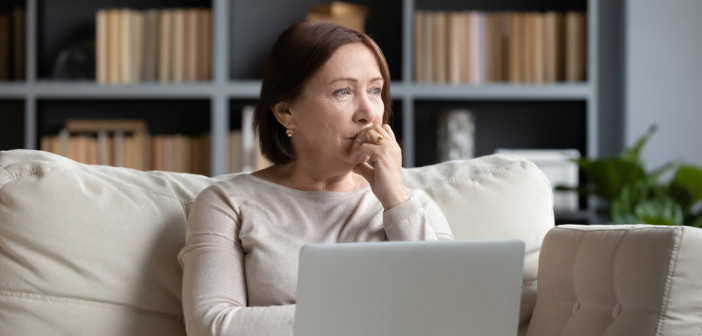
point(308, 193)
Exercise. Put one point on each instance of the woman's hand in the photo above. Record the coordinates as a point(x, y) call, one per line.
point(378, 144)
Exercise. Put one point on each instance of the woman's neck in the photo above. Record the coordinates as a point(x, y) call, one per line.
point(300, 176)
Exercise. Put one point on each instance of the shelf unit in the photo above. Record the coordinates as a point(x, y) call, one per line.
point(561, 115)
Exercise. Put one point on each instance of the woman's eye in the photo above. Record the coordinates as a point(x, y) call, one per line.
point(341, 92)
point(375, 91)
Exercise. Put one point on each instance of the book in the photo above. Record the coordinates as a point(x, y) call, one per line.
point(493, 47)
point(515, 46)
point(190, 30)
point(206, 48)
point(550, 46)
point(454, 36)
point(181, 153)
point(135, 151)
point(467, 43)
point(178, 38)
point(114, 46)
point(118, 148)
point(538, 48)
point(202, 148)
point(344, 13)
point(127, 46)
point(137, 46)
point(527, 60)
point(102, 148)
point(439, 55)
point(150, 46)
point(476, 47)
point(165, 68)
point(127, 147)
point(200, 154)
point(95, 125)
point(235, 151)
point(101, 28)
point(576, 36)
point(418, 46)
point(505, 46)
point(428, 47)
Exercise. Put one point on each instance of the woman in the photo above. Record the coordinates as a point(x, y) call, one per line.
point(322, 116)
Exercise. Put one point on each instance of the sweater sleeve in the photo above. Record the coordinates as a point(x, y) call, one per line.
point(419, 218)
point(214, 283)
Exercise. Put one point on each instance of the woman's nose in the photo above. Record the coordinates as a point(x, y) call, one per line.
point(364, 111)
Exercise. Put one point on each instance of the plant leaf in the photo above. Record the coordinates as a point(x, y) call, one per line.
point(690, 178)
point(663, 211)
point(620, 213)
point(634, 153)
point(609, 176)
point(698, 222)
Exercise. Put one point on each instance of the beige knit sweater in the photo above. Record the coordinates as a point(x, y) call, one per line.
point(243, 239)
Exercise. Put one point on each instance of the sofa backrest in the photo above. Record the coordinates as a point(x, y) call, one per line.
point(496, 196)
point(91, 250)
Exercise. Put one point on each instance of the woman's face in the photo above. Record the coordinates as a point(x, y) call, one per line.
point(342, 98)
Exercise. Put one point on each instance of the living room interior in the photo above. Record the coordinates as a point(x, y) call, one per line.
point(601, 97)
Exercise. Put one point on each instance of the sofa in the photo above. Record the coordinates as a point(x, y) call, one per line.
point(91, 250)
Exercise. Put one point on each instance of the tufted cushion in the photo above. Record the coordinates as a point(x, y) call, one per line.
point(493, 196)
point(619, 280)
point(91, 250)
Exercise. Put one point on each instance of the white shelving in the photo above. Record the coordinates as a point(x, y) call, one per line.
point(223, 91)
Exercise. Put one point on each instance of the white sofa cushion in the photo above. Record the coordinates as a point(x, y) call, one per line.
point(496, 196)
point(619, 280)
point(91, 250)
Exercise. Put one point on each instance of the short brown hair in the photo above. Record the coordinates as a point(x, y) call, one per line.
point(297, 55)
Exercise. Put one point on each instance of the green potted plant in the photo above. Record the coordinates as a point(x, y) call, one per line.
point(632, 195)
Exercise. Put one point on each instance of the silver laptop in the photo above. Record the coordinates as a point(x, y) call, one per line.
point(468, 287)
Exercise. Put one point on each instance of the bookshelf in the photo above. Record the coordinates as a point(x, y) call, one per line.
point(555, 115)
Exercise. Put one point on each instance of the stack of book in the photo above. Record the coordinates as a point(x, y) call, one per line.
point(343, 13)
point(181, 153)
point(167, 45)
point(12, 44)
point(518, 47)
point(126, 143)
point(121, 143)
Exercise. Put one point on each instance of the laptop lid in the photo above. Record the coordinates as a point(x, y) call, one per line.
point(465, 287)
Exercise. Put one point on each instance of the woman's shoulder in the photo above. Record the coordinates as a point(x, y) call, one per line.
point(236, 185)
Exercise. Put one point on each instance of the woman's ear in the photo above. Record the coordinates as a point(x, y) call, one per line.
point(281, 111)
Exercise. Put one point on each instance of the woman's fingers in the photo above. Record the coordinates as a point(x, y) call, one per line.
point(388, 129)
point(385, 172)
point(373, 135)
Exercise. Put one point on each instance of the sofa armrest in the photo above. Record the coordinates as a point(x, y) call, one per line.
point(619, 280)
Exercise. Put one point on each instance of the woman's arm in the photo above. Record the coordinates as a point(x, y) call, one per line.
point(214, 291)
point(419, 218)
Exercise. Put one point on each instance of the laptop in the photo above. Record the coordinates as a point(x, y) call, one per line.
point(464, 287)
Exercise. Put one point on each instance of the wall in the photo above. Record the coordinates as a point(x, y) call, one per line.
point(663, 78)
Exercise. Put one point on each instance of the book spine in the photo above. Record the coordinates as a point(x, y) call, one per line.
point(126, 35)
point(178, 65)
point(165, 73)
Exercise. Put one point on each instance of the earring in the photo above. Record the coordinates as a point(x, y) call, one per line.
point(289, 132)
